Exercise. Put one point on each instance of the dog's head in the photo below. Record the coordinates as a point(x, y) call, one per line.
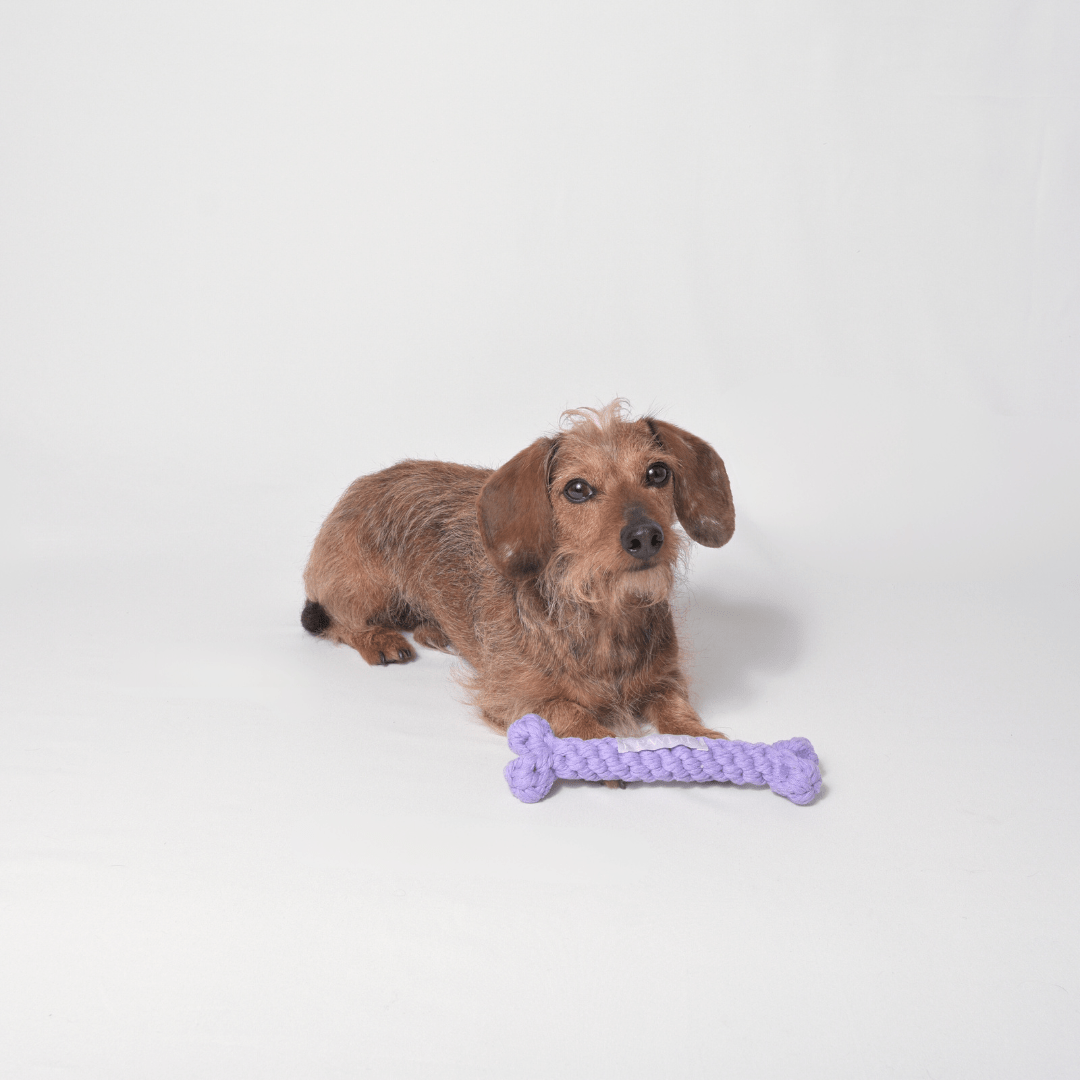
point(591, 511)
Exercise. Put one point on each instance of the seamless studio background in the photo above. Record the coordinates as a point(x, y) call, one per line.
point(253, 251)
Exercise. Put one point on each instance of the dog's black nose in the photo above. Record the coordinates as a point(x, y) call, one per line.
point(642, 538)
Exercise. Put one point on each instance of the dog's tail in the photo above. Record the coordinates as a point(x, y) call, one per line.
point(315, 618)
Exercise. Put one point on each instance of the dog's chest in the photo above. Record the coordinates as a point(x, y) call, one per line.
point(626, 653)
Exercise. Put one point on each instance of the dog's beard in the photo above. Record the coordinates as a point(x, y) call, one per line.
point(572, 586)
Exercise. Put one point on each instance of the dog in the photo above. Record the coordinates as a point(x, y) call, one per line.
point(551, 576)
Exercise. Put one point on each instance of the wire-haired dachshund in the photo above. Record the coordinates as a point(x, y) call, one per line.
point(551, 576)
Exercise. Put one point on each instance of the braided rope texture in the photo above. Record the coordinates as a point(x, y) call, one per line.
point(789, 767)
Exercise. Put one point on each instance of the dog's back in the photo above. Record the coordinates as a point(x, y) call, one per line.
point(409, 509)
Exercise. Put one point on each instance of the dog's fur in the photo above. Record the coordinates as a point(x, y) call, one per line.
point(553, 612)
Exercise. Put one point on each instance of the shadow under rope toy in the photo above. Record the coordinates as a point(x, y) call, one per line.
point(789, 767)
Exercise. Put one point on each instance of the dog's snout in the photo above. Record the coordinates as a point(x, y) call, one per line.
point(642, 538)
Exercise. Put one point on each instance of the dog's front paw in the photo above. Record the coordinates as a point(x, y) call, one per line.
point(672, 714)
point(382, 646)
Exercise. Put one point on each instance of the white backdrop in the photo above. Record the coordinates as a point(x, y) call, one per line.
point(251, 251)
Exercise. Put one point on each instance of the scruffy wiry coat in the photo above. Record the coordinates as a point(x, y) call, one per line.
point(551, 576)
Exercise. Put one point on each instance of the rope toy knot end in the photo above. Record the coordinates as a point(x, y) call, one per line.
point(798, 777)
point(532, 773)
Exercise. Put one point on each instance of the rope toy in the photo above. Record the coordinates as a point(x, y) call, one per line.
point(789, 767)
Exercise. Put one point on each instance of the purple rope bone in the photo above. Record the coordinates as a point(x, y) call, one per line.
point(789, 767)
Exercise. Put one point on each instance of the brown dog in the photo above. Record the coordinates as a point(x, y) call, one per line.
point(550, 576)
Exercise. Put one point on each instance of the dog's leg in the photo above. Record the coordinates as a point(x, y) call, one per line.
point(371, 638)
point(569, 720)
point(353, 622)
point(354, 602)
point(379, 645)
point(674, 715)
point(431, 636)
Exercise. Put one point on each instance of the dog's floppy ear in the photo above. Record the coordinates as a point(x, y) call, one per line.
point(514, 513)
point(702, 493)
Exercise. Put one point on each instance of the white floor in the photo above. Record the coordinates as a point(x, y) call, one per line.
point(232, 850)
point(249, 252)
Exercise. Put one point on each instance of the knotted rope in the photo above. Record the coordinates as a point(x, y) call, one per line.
point(789, 767)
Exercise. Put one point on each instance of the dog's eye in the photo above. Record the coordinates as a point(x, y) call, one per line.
point(578, 491)
point(656, 474)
